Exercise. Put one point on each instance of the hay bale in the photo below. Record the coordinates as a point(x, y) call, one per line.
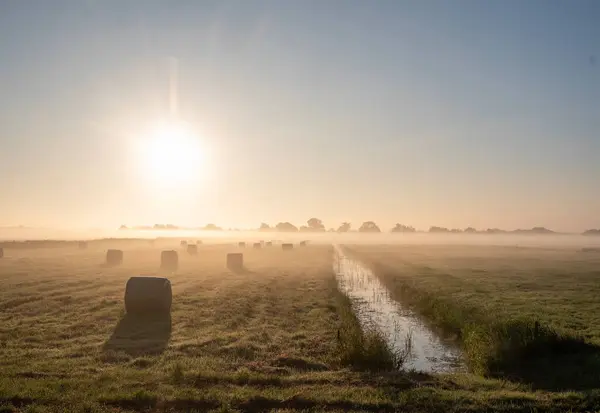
point(183, 243)
point(303, 243)
point(235, 261)
point(242, 244)
point(1, 252)
point(192, 249)
point(199, 242)
point(148, 295)
point(257, 245)
point(286, 246)
point(82, 245)
point(169, 260)
point(591, 249)
point(268, 244)
point(114, 257)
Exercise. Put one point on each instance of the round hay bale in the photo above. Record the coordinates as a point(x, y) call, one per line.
point(183, 243)
point(235, 261)
point(286, 246)
point(148, 295)
point(242, 244)
point(114, 257)
point(169, 260)
point(268, 244)
point(192, 249)
point(257, 245)
point(303, 243)
point(82, 245)
point(590, 249)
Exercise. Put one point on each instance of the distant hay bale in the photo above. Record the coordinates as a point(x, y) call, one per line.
point(303, 243)
point(82, 245)
point(235, 261)
point(591, 249)
point(286, 246)
point(241, 244)
point(199, 242)
point(169, 260)
point(192, 249)
point(268, 244)
point(262, 243)
point(148, 295)
point(257, 245)
point(183, 243)
point(114, 257)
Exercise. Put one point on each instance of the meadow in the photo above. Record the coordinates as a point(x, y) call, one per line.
point(277, 336)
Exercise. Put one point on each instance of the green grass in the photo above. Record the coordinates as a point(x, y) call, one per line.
point(529, 315)
point(278, 337)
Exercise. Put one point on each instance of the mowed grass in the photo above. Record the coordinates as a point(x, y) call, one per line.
point(275, 337)
point(530, 314)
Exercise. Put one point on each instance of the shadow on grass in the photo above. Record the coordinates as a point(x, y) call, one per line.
point(147, 401)
point(138, 335)
point(240, 270)
point(558, 363)
point(110, 265)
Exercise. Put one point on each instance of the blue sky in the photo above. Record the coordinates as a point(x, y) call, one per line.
point(452, 113)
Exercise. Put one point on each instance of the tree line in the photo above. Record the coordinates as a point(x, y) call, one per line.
point(316, 225)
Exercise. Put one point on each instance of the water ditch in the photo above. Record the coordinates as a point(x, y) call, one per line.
point(403, 330)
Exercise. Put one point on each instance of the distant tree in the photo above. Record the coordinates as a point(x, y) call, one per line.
point(403, 228)
point(592, 232)
point(345, 227)
point(534, 230)
point(264, 227)
point(123, 227)
point(455, 230)
point(494, 231)
point(369, 226)
point(286, 227)
point(211, 227)
point(470, 230)
point(438, 229)
point(541, 230)
point(315, 224)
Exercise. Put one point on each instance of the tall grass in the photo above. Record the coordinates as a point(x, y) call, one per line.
point(363, 349)
point(492, 344)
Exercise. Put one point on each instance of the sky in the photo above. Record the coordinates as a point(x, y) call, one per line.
point(451, 113)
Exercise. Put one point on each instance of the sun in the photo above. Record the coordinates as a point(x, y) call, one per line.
point(173, 155)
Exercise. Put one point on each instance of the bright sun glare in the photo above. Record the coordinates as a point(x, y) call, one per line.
point(173, 155)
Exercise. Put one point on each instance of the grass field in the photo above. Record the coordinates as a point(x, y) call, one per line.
point(492, 297)
point(276, 337)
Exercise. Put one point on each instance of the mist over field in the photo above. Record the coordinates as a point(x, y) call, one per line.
point(419, 238)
